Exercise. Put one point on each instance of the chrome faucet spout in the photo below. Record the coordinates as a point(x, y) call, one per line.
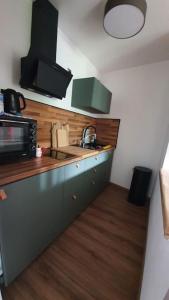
point(84, 134)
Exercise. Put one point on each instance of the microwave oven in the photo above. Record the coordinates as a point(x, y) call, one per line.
point(17, 138)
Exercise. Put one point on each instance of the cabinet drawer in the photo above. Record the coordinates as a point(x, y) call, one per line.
point(96, 180)
point(92, 162)
point(74, 169)
point(31, 217)
point(103, 157)
point(72, 200)
point(75, 191)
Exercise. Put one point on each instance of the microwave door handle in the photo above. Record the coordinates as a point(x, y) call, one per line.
point(10, 121)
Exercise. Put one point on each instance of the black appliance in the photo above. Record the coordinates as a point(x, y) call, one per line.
point(17, 138)
point(12, 104)
point(138, 193)
point(39, 71)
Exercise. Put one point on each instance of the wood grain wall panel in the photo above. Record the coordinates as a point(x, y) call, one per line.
point(107, 130)
point(46, 115)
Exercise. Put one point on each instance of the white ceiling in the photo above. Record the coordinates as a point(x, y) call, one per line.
point(82, 22)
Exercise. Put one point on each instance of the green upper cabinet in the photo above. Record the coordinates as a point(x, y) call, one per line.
point(91, 95)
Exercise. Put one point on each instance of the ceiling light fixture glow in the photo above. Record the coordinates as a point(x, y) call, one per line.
point(124, 18)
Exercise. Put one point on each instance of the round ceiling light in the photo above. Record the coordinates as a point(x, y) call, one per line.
point(124, 18)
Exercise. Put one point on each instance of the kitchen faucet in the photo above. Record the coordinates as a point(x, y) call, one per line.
point(86, 136)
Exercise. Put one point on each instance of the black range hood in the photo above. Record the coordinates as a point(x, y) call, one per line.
point(39, 71)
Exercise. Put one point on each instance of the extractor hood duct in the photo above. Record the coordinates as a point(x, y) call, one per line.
point(39, 71)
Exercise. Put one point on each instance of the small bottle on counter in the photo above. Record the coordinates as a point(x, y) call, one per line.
point(38, 151)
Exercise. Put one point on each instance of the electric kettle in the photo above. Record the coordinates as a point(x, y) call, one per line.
point(12, 103)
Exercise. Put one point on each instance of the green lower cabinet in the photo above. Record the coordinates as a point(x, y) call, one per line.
point(104, 168)
point(39, 208)
point(91, 183)
point(98, 169)
point(108, 168)
point(75, 193)
point(101, 180)
point(105, 156)
point(30, 218)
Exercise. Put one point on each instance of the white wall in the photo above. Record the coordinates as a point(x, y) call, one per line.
point(141, 100)
point(15, 28)
point(156, 269)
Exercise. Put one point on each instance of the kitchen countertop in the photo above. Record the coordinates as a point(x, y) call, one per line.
point(23, 169)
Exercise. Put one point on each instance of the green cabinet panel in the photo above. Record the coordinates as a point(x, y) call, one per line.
point(93, 161)
point(101, 97)
point(96, 180)
point(105, 159)
point(91, 95)
point(105, 156)
point(102, 179)
point(108, 166)
point(39, 208)
point(98, 173)
point(30, 219)
point(75, 192)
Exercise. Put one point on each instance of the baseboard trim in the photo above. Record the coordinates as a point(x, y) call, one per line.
point(119, 187)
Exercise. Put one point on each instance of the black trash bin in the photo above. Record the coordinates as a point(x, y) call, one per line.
point(139, 186)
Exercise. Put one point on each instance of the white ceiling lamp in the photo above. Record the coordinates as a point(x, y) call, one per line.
point(124, 18)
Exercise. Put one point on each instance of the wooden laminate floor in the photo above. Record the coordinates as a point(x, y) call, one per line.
point(99, 256)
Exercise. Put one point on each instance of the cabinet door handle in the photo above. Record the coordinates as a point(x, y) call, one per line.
point(95, 170)
point(93, 182)
point(74, 197)
point(3, 195)
point(77, 166)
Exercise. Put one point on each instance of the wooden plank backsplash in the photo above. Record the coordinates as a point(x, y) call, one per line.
point(107, 131)
point(46, 115)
